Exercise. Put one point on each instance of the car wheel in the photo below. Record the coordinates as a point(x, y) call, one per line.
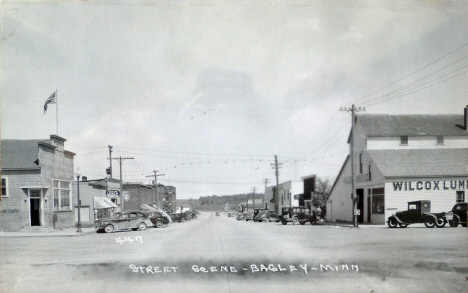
point(295, 220)
point(403, 225)
point(284, 222)
point(302, 223)
point(142, 226)
point(430, 222)
point(159, 224)
point(454, 222)
point(440, 223)
point(464, 225)
point(392, 222)
point(109, 228)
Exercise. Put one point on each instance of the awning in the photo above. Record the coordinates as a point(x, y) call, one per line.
point(103, 203)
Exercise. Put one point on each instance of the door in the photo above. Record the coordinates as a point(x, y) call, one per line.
point(35, 207)
point(360, 204)
point(369, 209)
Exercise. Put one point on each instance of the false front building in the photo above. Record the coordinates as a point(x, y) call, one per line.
point(37, 178)
point(402, 158)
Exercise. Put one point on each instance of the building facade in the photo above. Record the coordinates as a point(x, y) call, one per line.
point(402, 158)
point(170, 198)
point(37, 178)
point(287, 191)
point(91, 194)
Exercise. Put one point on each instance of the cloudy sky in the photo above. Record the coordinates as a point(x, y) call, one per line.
point(208, 92)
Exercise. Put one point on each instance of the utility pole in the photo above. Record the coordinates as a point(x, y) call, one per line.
point(277, 166)
point(156, 181)
point(353, 111)
point(121, 159)
point(110, 160)
point(264, 193)
point(253, 198)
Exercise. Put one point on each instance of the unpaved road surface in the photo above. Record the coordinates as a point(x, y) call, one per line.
point(221, 254)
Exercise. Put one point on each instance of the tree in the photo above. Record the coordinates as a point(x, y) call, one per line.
point(322, 190)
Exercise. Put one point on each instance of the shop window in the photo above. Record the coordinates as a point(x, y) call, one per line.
point(403, 140)
point(460, 196)
point(440, 139)
point(360, 163)
point(5, 187)
point(378, 201)
point(62, 198)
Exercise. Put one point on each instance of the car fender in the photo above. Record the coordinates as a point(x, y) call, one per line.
point(396, 218)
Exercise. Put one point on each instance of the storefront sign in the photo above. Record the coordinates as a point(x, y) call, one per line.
point(9, 211)
point(126, 195)
point(112, 193)
point(430, 185)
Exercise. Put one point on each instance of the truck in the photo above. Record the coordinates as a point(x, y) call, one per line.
point(418, 212)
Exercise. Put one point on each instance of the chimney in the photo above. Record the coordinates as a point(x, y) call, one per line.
point(466, 118)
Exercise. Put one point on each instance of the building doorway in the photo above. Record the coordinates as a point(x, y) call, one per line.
point(360, 204)
point(35, 207)
point(369, 210)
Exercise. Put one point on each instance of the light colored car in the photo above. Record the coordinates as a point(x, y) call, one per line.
point(124, 220)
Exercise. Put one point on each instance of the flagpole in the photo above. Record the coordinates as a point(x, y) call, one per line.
point(56, 110)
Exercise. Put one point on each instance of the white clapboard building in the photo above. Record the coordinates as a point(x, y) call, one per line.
point(402, 158)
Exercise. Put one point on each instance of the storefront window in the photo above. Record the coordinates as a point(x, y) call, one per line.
point(4, 187)
point(460, 196)
point(62, 200)
point(378, 201)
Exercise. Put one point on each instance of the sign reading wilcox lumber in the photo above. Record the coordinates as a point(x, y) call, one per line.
point(430, 185)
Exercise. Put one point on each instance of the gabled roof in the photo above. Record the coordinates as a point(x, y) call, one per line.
point(411, 125)
point(20, 154)
point(338, 177)
point(421, 162)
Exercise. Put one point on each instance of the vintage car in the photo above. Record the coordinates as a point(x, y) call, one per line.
point(418, 212)
point(240, 216)
point(124, 220)
point(297, 215)
point(177, 217)
point(230, 215)
point(457, 215)
point(217, 214)
point(267, 216)
point(156, 218)
point(256, 212)
point(248, 216)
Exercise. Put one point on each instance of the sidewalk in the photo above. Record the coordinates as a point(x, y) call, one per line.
point(67, 232)
point(350, 225)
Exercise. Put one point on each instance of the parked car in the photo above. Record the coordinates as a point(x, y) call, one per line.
point(240, 216)
point(177, 217)
point(156, 218)
point(230, 215)
point(248, 216)
point(457, 215)
point(267, 216)
point(297, 215)
point(258, 211)
point(418, 212)
point(217, 214)
point(124, 220)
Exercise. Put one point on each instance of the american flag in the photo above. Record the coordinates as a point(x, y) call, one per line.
point(50, 100)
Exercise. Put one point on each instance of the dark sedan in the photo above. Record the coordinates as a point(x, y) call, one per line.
point(124, 220)
point(156, 218)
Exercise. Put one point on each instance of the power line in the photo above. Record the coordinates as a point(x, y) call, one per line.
point(435, 61)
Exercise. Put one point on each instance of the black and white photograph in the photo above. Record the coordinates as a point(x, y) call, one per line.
point(236, 146)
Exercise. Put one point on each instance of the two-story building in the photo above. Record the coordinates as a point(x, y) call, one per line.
point(286, 193)
point(402, 158)
point(37, 178)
